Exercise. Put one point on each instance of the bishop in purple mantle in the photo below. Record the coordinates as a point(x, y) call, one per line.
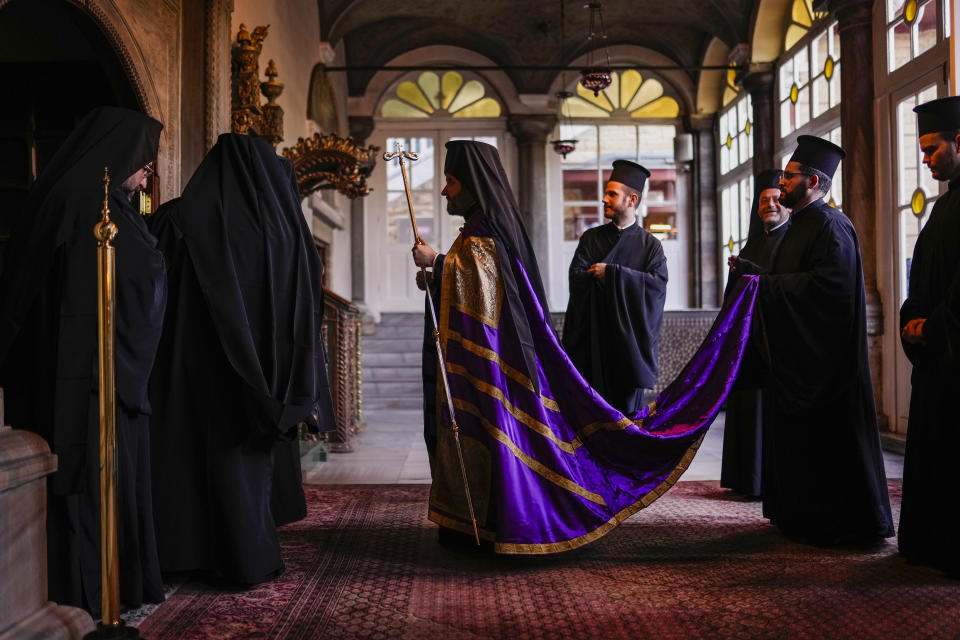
point(551, 465)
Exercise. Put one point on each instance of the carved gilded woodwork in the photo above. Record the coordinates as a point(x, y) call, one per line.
point(332, 162)
point(247, 114)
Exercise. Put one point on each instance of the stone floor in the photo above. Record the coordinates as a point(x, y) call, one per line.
point(391, 451)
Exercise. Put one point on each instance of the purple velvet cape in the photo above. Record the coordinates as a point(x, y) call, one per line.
point(564, 467)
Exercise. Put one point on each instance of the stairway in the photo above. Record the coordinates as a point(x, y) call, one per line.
point(391, 363)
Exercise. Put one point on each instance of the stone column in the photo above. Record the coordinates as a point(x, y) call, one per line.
point(705, 243)
point(761, 83)
point(360, 129)
point(531, 133)
point(859, 166)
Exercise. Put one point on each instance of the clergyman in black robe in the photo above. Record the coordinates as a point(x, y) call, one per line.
point(241, 363)
point(48, 349)
point(823, 477)
point(741, 466)
point(618, 285)
point(930, 332)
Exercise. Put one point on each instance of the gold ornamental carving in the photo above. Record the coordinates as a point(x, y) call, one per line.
point(247, 114)
point(332, 162)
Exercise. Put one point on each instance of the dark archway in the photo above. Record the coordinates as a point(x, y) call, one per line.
point(57, 65)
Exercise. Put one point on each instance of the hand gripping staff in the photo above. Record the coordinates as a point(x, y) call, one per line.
point(400, 154)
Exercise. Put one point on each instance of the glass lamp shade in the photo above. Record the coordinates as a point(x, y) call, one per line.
point(563, 147)
point(595, 79)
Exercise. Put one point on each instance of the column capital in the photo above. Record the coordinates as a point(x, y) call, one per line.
point(701, 123)
point(760, 79)
point(360, 128)
point(532, 129)
point(850, 13)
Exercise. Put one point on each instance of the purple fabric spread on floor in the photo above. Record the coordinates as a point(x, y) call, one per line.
point(566, 467)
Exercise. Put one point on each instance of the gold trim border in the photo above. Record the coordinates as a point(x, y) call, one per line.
point(463, 527)
point(612, 523)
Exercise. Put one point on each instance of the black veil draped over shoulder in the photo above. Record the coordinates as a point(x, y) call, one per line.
point(477, 166)
point(241, 363)
point(48, 349)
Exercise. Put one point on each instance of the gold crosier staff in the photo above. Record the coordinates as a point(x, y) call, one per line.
point(111, 626)
point(400, 154)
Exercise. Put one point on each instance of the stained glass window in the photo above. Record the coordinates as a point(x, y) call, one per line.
point(736, 134)
point(913, 27)
point(917, 190)
point(809, 80)
point(735, 203)
point(629, 93)
point(802, 17)
point(431, 95)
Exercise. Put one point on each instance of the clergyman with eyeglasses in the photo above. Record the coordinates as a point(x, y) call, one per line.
point(823, 475)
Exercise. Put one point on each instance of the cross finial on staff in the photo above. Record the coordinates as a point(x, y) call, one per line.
point(400, 153)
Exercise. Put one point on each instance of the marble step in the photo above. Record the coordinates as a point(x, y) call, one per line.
point(386, 404)
point(372, 390)
point(373, 344)
point(400, 319)
point(387, 374)
point(390, 359)
point(383, 331)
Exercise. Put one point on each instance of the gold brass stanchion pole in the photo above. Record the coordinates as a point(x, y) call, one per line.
point(111, 626)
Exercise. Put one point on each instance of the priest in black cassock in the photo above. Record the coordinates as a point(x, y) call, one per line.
point(48, 349)
point(823, 478)
point(241, 364)
point(618, 284)
point(930, 332)
point(743, 428)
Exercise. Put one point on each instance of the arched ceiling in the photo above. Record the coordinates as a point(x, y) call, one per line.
point(527, 32)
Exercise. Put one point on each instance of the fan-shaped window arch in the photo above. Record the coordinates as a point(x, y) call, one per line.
point(431, 95)
point(802, 17)
point(629, 93)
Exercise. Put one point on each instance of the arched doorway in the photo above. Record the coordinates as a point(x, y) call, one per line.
point(57, 65)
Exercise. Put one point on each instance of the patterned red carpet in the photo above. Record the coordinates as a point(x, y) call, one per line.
point(698, 563)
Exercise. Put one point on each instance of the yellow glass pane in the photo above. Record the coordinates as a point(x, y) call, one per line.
point(732, 79)
point(451, 84)
point(397, 109)
point(601, 101)
point(794, 94)
point(729, 95)
point(910, 11)
point(729, 141)
point(613, 91)
point(665, 107)
point(649, 91)
point(802, 12)
point(730, 244)
point(470, 93)
point(579, 108)
point(747, 127)
point(630, 81)
point(794, 33)
point(482, 108)
point(430, 86)
point(918, 202)
point(828, 68)
point(409, 92)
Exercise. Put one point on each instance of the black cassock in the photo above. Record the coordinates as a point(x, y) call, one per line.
point(612, 327)
point(930, 512)
point(823, 474)
point(241, 363)
point(48, 351)
point(742, 461)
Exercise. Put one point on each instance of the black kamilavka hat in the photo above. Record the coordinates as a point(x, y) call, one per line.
point(938, 115)
point(629, 173)
point(818, 153)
